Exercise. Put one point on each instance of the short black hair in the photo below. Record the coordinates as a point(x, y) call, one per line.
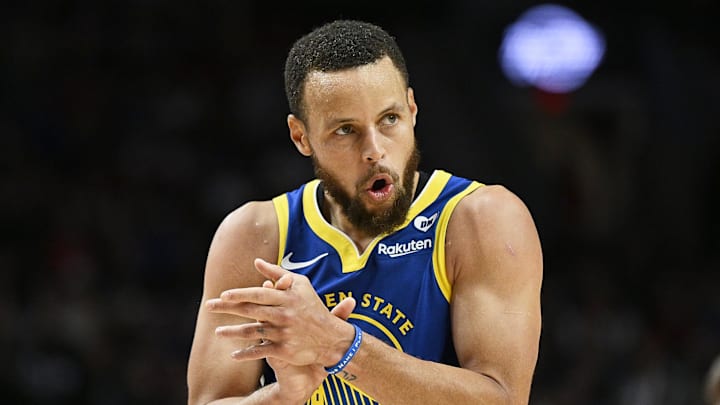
point(338, 45)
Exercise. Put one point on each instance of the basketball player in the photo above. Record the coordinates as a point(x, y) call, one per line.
point(376, 282)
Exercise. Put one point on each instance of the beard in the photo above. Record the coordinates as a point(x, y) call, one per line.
point(367, 221)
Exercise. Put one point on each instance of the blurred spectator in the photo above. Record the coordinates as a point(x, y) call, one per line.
point(712, 383)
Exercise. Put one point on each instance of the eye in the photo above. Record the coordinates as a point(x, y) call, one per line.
point(390, 119)
point(344, 130)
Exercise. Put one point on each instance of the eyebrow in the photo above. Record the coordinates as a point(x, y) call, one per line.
point(337, 121)
point(393, 107)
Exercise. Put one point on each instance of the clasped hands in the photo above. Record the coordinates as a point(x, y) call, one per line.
point(291, 327)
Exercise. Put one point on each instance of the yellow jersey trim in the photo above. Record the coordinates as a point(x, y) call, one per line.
point(282, 210)
point(362, 393)
point(342, 388)
point(380, 326)
point(334, 384)
point(350, 257)
point(439, 263)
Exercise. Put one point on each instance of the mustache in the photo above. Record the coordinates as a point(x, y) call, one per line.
point(374, 171)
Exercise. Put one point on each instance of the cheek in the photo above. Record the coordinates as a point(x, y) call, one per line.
point(332, 160)
point(405, 150)
point(337, 165)
point(338, 154)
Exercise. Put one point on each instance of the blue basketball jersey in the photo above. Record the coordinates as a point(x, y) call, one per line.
point(399, 282)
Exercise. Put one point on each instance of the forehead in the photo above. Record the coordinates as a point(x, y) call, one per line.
point(379, 82)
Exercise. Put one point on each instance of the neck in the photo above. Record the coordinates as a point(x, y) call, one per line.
point(333, 213)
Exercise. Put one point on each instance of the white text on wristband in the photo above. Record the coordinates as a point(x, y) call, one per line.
point(349, 354)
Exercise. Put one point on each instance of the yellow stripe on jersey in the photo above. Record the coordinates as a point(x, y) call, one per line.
point(318, 397)
point(380, 326)
point(283, 215)
point(350, 257)
point(336, 388)
point(428, 195)
point(346, 393)
point(344, 390)
point(440, 233)
point(363, 396)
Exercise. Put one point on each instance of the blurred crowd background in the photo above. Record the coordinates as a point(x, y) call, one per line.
point(128, 130)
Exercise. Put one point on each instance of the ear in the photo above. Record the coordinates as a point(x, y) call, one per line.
point(413, 106)
point(298, 134)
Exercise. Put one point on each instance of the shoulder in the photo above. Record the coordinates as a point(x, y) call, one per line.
point(246, 233)
point(254, 218)
point(492, 204)
point(497, 226)
point(489, 207)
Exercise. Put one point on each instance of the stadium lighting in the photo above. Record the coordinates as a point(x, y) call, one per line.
point(551, 48)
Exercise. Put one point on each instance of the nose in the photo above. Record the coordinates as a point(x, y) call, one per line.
point(373, 150)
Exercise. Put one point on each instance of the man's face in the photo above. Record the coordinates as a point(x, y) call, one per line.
point(369, 220)
point(359, 131)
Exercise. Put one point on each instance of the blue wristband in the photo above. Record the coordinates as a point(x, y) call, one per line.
point(349, 354)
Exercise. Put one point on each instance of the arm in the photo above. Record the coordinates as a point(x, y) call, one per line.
point(496, 291)
point(249, 232)
point(495, 265)
point(214, 376)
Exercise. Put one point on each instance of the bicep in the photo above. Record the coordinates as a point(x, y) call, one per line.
point(212, 372)
point(496, 290)
point(496, 336)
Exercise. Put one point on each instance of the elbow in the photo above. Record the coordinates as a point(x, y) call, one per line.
point(506, 394)
point(194, 400)
point(198, 398)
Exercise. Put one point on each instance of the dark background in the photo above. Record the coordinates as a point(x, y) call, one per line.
point(129, 129)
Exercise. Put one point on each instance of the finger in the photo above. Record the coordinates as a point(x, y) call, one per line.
point(284, 282)
point(268, 284)
point(269, 270)
point(246, 310)
point(248, 331)
point(344, 308)
point(256, 295)
point(254, 352)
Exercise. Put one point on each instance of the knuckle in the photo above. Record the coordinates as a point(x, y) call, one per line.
point(245, 331)
point(228, 295)
point(253, 295)
point(283, 317)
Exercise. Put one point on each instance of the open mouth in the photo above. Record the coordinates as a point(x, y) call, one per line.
point(378, 185)
point(381, 187)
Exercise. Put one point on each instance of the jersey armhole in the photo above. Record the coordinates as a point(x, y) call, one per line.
point(282, 211)
point(439, 261)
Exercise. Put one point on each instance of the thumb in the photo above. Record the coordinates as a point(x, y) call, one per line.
point(344, 308)
point(269, 270)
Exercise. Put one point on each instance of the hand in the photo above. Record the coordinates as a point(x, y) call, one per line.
point(297, 383)
point(292, 322)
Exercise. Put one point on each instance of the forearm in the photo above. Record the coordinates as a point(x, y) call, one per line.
point(393, 377)
point(267, 395)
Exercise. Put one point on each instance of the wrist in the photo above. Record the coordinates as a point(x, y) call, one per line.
point(344, 359)
point(278, 396)
point(342, 339)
